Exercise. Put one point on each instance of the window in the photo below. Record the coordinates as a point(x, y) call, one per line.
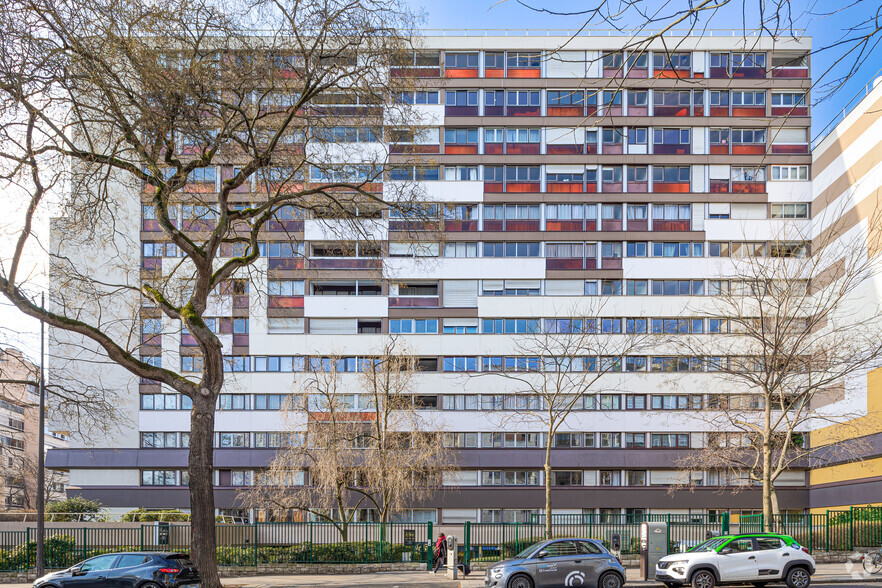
point(610, 440)
point(610, 477)
point(668, 440)
point(494, 98)
point(666, 249)
point(416, 326)
point(789, 172)
point(461, 136)
point(491, 478)
point(565, 478)
point(788, 210)
point(522, 135)
point(461, 60)
point(633, 440)
point(159, 478)
point(460, 440)
point(565, 97)
point(461, 98)
point(635, 478)
point(461, 249)
point(666, 174)
point(637, 174)
point(494, 60)
point(671, 60)
point(719, 97)
point(522, 173)
point(460, 364)
point(748, 98)
point(523, 59)
point(612, 135)
point(637, 136)
point(522, 98)
point(756, 136)
point(788, 99)
point(286, 287)
point(521, 478)
point(740, 60)
point(748, 174)
point(612, 60)
point(671, 212)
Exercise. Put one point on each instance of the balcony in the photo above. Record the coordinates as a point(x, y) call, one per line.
point(285, 263)
point(494, 148)
point(494, 72)
point(748, 148)
point(672, 148)
point(413, 225)
point(613, 148)
point(564, 111)
point(285, 301)
point(493, 187)
point(459, 226)
point(565, 149)
point(674, 73)
point(789, 110)
point(346, 263)
point(522, 186)
point(564, 187)
point(287, 226)
point(240, 339)
point(719, 186)
point(523, 72)
point(461, 148)
point(496, 110)
point(748, 73)
point(198, 225)
point(638, 225)
point(522, 224)
point(749, 110)
point(241, 301)
point(416, 71)
point(719, 149)
point(188, 340)
point(150, 225)
point(565, 263)
point(748, 187)
point(151, 263)
point(790, 72)
point(612, 187)
point(611, 225)
point(671, 187)
point(522, 148)
point(461, 110)
point(790, 149)
point(611, 263)
point(564, 225)
point(668, 110)
point(638, 186)
point(670, 225)
point(461, 72)
point(521, 111)
point(719, 110)
point(415, 149)
point(413, 302)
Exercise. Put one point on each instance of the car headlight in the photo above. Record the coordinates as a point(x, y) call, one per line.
point(678, 562)
point(496, 571)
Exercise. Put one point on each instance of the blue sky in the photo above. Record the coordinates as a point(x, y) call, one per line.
point(826, 21)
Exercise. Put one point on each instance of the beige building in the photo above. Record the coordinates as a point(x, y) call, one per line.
point(19, 426)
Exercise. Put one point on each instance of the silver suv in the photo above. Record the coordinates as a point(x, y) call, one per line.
point(558, 562)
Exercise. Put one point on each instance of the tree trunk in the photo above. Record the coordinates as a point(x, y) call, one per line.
point(767, 468)
point(776, 511)
point(202, 524)
point(548, 488)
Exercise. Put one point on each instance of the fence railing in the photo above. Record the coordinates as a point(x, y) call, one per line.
point(324, 542)
point(237, 545)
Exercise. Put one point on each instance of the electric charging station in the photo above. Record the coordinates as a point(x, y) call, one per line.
point(653, 547)
point(451, 557)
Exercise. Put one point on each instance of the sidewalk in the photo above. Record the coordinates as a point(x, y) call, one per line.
point(837, 573)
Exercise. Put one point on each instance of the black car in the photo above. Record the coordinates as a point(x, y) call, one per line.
point(132, 569)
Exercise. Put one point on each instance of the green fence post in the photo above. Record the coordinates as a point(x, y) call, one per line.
point(467, 546)
point(724, 525)
point(83, 548)
point(668, 532)
point(254, 541)
point(517, 545)
point(429, 550)
point(827, 531)
point(850, 528)
point(310, 523)
point(27, 548)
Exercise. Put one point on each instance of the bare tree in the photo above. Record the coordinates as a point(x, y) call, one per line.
point(360, 443)
point(112, 110)
point(564, 365)
point(802, 322)
point(19, 471)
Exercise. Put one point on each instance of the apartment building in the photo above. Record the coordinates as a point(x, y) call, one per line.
point(847, 181)
point(19, 422)
point(559, 176)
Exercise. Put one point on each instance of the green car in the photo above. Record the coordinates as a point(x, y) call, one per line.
point(751, 558)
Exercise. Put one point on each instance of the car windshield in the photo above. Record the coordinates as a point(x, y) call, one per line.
point(528, 550)
point(710, 544)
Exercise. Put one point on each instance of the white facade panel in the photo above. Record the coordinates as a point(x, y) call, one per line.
point(337, 306)
point(460, 293)
point(333, 326)
point(565, 64)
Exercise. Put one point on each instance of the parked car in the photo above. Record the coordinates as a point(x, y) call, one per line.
point(132, 569)
point(757, 558)
point(558, 562)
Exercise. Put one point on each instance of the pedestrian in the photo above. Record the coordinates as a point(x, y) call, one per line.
point(440, 552)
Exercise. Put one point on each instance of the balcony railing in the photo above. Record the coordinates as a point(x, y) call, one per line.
point(413, 301)
point(670, 225)
point(345, 263)
point(285, 301)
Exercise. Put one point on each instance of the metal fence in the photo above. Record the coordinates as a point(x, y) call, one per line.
point(311, 542)
point(237, 545)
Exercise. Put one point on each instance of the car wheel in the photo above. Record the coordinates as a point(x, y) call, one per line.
point(610, 580)
point(149, 585)
point(520, 581)
point(703, 579)
point(798, 577)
